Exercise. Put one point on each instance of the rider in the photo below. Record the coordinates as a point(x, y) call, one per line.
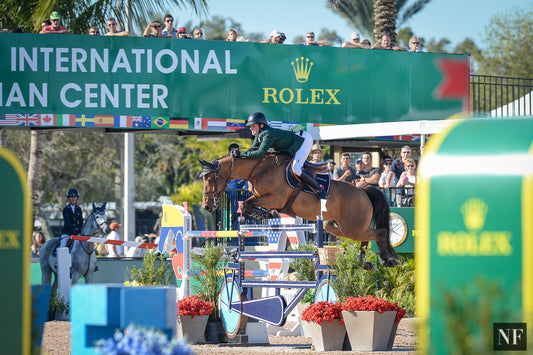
point(72, 218)
point(298, 144)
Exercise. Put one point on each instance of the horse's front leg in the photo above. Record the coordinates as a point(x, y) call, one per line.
point(254, 208)
point(75, 277)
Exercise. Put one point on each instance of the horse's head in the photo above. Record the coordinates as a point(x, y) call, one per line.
point(214, 184)
point(100, 218)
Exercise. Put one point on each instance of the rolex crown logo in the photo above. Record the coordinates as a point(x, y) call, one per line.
point(474, 211)
point(302, 69)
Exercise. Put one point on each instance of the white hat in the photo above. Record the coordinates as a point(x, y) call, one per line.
point(275, 33)
point(354, 35)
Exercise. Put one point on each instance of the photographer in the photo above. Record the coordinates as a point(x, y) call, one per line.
point(182, 33)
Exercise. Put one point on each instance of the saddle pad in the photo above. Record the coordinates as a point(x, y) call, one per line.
point(323, 180)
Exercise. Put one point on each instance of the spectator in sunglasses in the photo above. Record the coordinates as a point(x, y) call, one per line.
point(311, 41)
point(112, 28)
point(387, 163)
point(414, 44)
point(169, 30)
point(155, 29)
point(94, 31)
point(198, 33)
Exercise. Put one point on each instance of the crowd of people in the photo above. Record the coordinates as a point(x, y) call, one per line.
point(396, 178)
point(167, 29)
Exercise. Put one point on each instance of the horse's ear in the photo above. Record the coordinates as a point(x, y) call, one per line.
point(203, 162)
point(103, 206)
point(94, 206)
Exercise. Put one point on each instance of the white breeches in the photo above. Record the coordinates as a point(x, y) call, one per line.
point(301, 155)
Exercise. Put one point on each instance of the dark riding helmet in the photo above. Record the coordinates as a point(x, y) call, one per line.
point(257, 117)
point(72, 193)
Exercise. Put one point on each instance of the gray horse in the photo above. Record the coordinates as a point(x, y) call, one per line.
point(82, 253)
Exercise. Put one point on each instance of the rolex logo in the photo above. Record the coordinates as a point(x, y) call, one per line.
point(302, 69)
point(474, 212)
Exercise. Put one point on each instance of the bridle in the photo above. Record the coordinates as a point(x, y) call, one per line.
point(214, 168)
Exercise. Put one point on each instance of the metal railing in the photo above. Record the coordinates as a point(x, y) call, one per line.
point(499, 96)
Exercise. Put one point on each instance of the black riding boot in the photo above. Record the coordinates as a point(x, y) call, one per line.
point(311, 182)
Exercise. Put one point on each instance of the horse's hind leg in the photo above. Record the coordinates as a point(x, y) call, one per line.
point(386, 250)
point(368, 266)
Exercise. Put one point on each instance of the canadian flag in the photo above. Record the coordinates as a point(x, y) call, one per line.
point(47, 119)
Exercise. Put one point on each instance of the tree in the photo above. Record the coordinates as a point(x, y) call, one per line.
point(440, 46)
point(360, 13)
point(79, 16)
point(509, 40)
point(331, 36)
point(385, 15)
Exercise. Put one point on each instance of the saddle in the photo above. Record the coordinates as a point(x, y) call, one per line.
point(318, 171)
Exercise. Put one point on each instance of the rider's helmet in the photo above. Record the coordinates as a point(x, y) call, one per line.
point(72, 193)
point(257, 117)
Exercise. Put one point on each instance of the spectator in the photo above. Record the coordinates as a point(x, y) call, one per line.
point(387, 162)
point(153, 30)
point(310, 40)
point(398, 166)
point(369, 175)
point(275, 37)
point(386, 44)
point(282, 37)
point(45, 22)
point(354, 42)
point(234, 195)
point(198, 33)
point(137, 252)
point(231, 36)
point(112, 27)
point(72, 218)
point(169, 30)
point(55, 27)
point(408, 180)
point(93, 31)
point(182, 33)
point(345, 172)
point(157, 225)
point(114, 251)
point(367, 42)
point(359, 166)
point(36, 243)
point(414, 44)
point(316, 153)
point(331, 166)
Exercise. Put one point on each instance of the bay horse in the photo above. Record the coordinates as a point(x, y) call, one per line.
point(83, 257)
point(350, 210)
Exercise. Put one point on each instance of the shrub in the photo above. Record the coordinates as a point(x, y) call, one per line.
point(305, 268)
point(154, 270)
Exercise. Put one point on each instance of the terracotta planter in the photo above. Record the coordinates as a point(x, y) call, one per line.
point(369, 331)
point(191, 328)
point(327, 336)
point(305, 329)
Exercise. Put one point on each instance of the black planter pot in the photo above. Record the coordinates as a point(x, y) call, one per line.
point(214, 333)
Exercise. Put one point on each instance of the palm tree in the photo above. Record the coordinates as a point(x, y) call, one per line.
point(360, 13)
point(79, 15)
point(385, 15)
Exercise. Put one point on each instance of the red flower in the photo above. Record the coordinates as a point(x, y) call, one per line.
point(371, 303)
point(322, 311)
point(194, 306)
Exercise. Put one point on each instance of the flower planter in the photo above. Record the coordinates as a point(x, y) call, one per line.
point(214, 333)
point(303, 324)
point(369, 330)
point(392, 336)
point(192, 329)
point(327, 336)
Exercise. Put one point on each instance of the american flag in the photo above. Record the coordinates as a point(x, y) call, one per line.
point(16, 119)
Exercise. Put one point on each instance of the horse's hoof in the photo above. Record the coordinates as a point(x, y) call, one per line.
point(368, 266)
point(391, 262)
point(273, 214)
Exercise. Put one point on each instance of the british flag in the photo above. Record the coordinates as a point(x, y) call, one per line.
point(17, 119)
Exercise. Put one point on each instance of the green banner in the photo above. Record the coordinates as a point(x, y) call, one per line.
point(15, 244)
point(161, 83)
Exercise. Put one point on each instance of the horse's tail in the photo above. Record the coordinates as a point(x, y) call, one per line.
point(381, 214)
